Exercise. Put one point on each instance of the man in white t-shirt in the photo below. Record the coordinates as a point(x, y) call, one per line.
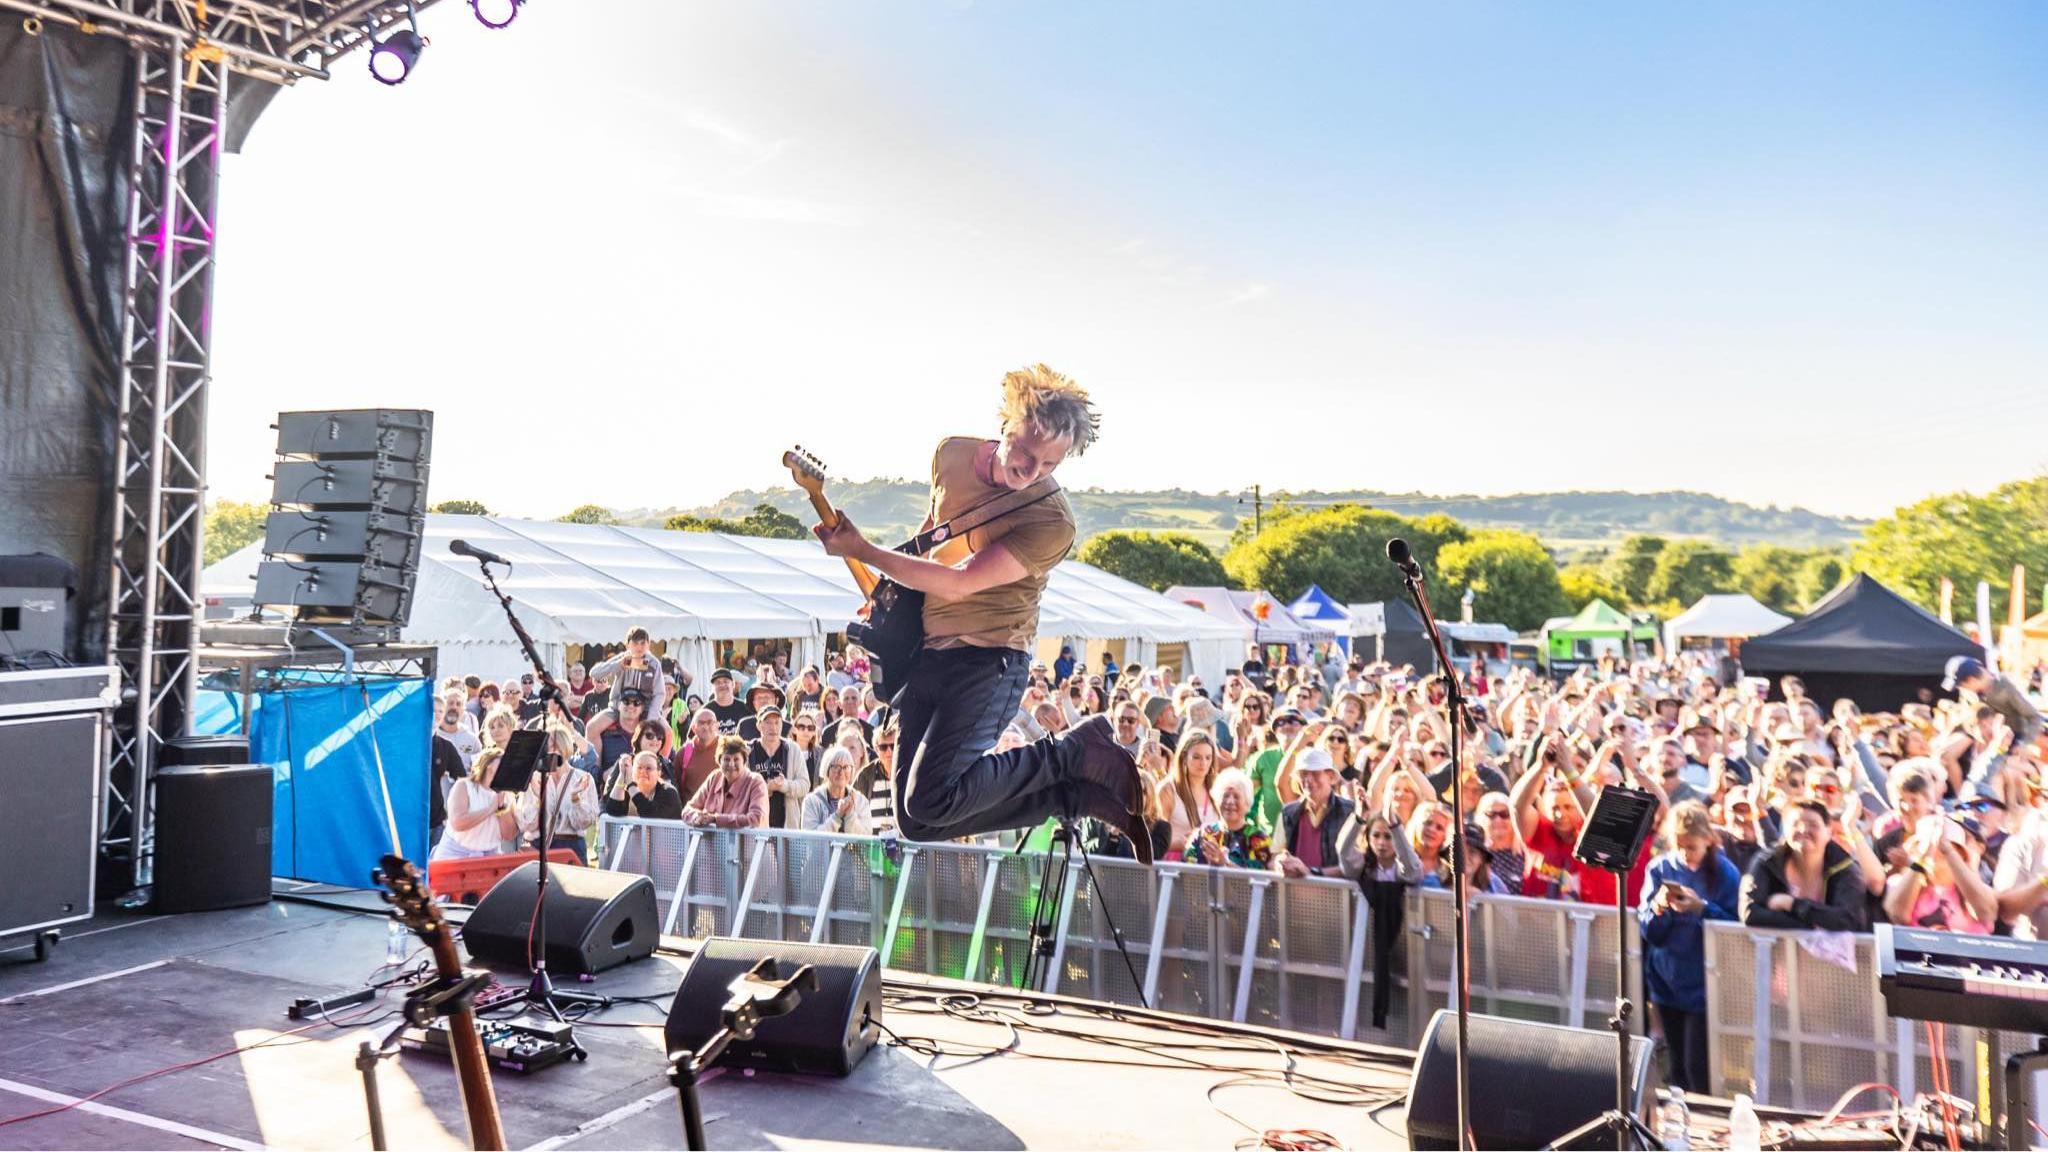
point(452, 729)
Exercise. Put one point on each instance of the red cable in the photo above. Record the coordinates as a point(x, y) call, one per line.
point(52, 1111)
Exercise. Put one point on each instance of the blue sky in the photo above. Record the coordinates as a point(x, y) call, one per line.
point(627, 251)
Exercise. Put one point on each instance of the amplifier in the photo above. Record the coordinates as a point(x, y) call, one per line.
point(374, 536)
point(334, 590)
point(406, 433)
point(393, 485)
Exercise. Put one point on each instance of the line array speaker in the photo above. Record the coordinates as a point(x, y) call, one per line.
point(349, 493)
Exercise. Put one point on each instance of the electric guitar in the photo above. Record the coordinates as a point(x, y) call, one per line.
point(406, 892)
point(891, 624)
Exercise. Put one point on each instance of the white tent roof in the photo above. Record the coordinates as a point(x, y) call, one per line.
point(588, 583)
point(1723, 616)
point(1234, 609)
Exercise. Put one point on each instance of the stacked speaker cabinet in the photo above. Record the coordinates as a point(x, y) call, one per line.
point(342, 543)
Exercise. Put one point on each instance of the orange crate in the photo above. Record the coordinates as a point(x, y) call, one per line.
point(466, 881)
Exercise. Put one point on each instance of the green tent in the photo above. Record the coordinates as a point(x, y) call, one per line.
point(1598, 620)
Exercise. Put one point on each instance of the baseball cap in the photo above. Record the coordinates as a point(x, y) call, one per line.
point(1314, 760)
point(626, 694)
point(1961, 668)
point(721, 674)
point(774, 710)
point(1285, 715)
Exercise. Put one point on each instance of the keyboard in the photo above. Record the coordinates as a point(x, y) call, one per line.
point(1991, 982)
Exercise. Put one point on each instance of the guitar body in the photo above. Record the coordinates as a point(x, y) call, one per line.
point(891, 624)
point(893, 634)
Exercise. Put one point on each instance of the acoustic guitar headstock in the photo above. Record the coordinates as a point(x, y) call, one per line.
point(805, 469)
point(412, 904)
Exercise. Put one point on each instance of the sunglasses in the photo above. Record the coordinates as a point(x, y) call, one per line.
point(805, 727)
point(890, 746)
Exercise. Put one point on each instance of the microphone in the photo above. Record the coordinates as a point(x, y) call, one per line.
point(465, 548)
point(1397, 551)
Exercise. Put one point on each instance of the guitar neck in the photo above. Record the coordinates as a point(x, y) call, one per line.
point(863, 576)
point(472, 1067)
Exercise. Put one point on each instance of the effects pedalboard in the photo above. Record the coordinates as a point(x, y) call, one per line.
point(522, 1044)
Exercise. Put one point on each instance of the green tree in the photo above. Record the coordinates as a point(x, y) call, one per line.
point(461, 508)
point(1822, 572)
point(765, 520)
point(1770, 574)
point(1964, 537)
point(1510, 574)
point(1278, 510)
point(1344, 549)
point(1687, 570)
point(1584, 583)
point(232, 525)
point(1630, 567)
point(1158, 560)
point(588, 514)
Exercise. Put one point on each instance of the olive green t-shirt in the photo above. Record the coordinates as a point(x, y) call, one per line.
point(1039, 536)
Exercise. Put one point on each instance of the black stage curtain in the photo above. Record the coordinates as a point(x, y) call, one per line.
point(64, 121)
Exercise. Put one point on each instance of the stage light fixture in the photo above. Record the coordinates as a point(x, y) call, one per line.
point(495, 13)
point(392, 59)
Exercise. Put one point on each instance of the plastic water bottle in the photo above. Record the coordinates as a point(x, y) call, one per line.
point(1744, 1133)
point(397, 944)
point(1674, 1121)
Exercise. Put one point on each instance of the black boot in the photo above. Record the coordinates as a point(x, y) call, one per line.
point(1089, 754)
point(1087, 800)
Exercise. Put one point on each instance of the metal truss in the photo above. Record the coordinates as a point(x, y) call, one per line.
point(281, 41)
point(159, 456)
point(186, 52)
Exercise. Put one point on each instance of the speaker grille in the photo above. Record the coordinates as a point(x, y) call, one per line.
point(1561, 1078)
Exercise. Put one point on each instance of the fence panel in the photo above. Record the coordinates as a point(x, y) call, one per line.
point(1793, 1018)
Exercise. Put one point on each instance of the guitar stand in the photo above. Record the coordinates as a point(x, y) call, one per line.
point(441, 997)
point(756, 995)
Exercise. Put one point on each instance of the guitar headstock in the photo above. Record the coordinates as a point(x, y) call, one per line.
point(406, 891)
point(807, 470)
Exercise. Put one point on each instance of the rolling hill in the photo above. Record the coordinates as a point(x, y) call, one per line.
point(1570, 522)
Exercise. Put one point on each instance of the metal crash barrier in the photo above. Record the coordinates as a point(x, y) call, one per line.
point(1257, 947)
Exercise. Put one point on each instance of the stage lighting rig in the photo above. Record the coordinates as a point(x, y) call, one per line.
point(495, 13)
point(392, 59)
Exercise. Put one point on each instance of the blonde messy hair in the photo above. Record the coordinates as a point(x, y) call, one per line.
point(1053, 403)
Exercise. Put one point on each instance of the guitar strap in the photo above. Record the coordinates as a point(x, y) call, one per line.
point(979, 516)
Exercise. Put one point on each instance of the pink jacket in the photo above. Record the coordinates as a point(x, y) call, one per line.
point(743, 805)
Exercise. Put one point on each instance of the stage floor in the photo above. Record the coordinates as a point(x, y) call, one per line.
point(127, 995)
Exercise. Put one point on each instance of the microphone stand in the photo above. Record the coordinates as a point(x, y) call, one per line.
point(1461, 978)
point(542, 991)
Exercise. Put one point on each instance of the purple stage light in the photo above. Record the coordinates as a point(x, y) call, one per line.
point(495, 13)
point(392, 59)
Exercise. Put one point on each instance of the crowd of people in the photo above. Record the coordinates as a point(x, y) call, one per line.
point(1774, 808)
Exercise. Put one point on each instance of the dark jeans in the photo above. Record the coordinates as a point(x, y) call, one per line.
point(574, 844)
point(1685, 1048)
point(952, 710)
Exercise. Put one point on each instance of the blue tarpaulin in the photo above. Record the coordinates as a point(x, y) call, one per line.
point(329, 817)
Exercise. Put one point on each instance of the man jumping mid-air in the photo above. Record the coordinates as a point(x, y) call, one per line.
point(980, 619)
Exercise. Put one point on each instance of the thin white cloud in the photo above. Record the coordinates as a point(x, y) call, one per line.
point(754, 150)
point(787, 209)
point(1247, 294)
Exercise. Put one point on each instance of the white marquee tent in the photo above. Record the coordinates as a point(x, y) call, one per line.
point(1728, 616)
point(589, 583)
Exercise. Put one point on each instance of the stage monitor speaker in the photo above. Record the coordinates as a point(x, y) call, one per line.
point(212, 836)
point(1530, 1083)
point(594, 920)
point(203, 750)
point(830, 1030)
